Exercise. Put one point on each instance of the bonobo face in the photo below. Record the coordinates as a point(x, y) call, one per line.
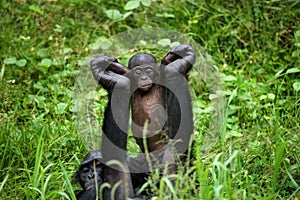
point(88, 174)
point(144, 76)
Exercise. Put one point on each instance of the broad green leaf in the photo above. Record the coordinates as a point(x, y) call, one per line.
point(21, 63)
point(60, 108)
point(271, 96)
point(146, 2)
point(58, 28)
point(173, 44)
point(164, 42)
point(46, 62)
point(113, 14)
point(229, 78)
point(296, 86)
point(37, 98)
point(143, 42)
point(81, 63)
point(127, 14)
point(10, 61)
point(43, 53)
point(232, 134)
point(66, 50)
point(262, 97)
point(292, 70)
point(102, 43)
point(102, 92)
point(130, 5)
point(296, 53)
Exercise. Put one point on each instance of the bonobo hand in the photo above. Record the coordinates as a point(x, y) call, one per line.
point(100, 64)
point(102, 61)
point(185, 51)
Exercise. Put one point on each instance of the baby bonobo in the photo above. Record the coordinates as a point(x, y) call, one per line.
point(147, 102)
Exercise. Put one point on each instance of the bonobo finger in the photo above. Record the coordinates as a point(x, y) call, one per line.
point(170, 57)
point(118, 68)
point(109, 80)
point(181, 50)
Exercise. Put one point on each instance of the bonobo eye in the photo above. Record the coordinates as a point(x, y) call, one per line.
point(138, 72)
point(149, 71)
point(98, 164)
point(85, 169)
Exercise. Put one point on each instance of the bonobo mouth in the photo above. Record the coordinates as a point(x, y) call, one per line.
point(145, 86)
point(88, 187)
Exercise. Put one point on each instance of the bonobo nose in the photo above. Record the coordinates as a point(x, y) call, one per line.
point(144, 78)
point(91, 175)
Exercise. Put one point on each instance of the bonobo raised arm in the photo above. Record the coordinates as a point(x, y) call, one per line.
point(179, 107)
point(115, 124)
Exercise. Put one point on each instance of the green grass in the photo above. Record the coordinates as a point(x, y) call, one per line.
point(255, 45)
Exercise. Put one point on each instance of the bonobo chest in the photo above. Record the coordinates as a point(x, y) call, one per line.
point(147, 105)
point(148, 111)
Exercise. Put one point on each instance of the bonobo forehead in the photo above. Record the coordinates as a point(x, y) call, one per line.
point(145, 66)
point(93, 155)
point(141, 59)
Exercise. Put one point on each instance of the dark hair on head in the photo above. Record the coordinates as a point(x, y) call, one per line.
point(141, 59)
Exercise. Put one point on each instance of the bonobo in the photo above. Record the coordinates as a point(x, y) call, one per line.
point(115, 125)
point(161, 100)
point(89, 175)
point(161, 109)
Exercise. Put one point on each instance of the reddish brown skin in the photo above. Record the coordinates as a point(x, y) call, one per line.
point(141, 108)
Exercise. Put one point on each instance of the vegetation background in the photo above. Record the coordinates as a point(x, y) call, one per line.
point(255, 45)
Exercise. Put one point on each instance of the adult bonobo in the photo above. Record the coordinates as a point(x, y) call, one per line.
point(109, 73)
point(160, 104)
point(89, 175)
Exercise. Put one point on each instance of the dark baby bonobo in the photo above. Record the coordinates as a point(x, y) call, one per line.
point(88, 174)
point(160, 94)
point(161, 110)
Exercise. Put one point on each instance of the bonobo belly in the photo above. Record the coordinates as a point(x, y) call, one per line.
point(149, 118)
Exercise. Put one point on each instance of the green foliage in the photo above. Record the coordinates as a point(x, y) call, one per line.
point(255, 46)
